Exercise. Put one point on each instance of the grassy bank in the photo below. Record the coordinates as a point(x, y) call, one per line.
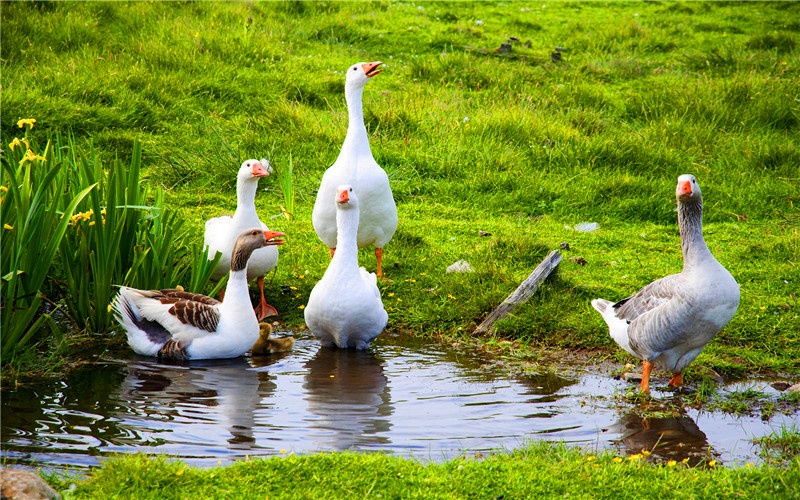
point(494, 155)
point(539, 471)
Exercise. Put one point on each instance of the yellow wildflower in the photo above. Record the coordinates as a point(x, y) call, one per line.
point(31, 157)
point(13, 144)
point(26, 121)
point(92, 223)
point(749, 464)
point(671, 463)
point(301, 306)
point(590, 458)
point(6, 226)
point(450, 296)
point(3, 189)
point(712, 463)
point(635, 458)
point(685, 460)
point(645, 453)
point(617, 460)
point(283, 451)
point(179, 473)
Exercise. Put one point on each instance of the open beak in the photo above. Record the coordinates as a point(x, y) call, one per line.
point(270, 235)
point(259, 170)
point(371, 69)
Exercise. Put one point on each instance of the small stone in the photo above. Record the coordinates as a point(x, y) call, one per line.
point(780, 386)
point(563, 246)
point(578, 260)
point(505, 48)
point(484, 233)
point(555, 57)
point(462, 266)
point(19, 484)
point(632, 377)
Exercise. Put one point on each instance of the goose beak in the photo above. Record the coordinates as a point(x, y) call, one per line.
point(259, 170)
point(684, 188)
point(270, 235)
point(371, 69)
point(343, 196)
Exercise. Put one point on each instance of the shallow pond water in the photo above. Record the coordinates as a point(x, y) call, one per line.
point(403, 396)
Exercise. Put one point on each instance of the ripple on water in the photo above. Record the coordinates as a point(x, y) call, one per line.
point(403, 396)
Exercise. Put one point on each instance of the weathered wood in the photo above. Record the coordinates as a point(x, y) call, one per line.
point(523, 291)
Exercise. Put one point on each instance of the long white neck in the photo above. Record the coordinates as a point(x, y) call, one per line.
point(347, 232)
point(356, 142)
point(246, 198)
point(690, 222)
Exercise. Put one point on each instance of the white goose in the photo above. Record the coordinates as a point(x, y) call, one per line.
point(669, 322)
point(174, 324)
point(345, 308)
point(356, 166)
point(221, 232)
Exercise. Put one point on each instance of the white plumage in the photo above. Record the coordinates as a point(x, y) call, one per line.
point(221, 232)
point(669, 322)
point(356, 167)
point(345, 308)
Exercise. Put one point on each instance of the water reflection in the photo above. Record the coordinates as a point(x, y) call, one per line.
point(668, 438)
point(186, 392)
point(348, 394)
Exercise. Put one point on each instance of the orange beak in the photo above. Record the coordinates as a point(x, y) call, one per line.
point(684, 188)
point(342, 197)
point(259, 170)
point(270, 235)
point(371, 69)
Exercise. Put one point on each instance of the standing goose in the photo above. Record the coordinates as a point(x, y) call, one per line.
point(356, 166)
point(174, 324)
point(345, 308)
point(221, 232)
point(669, 322)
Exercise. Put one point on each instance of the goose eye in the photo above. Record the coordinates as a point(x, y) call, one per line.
point(355, 68)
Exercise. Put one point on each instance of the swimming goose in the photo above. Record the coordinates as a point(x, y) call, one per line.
point(175, 324)
point(344, 308)
point(221, 232)
point(669, 322)
point(356, 166)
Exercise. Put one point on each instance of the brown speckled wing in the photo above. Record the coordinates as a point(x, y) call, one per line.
point(172, 349)
point(197, 310)
point(173, 294)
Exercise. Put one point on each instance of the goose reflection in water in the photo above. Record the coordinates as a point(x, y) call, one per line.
point(200, 395)
point(669, 438)
point(348, 396)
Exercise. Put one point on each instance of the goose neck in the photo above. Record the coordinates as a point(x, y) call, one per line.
point(690, 222)
point(356, 139)
point(246, 194)
point(346, 236)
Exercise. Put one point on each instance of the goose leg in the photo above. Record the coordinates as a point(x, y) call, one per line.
point(379, 257)
point(676, 380)
point(644, 385)
point(263, 309)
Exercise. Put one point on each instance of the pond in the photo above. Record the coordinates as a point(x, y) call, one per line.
point(404, 396)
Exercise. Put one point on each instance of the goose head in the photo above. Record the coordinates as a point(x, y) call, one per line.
point(359, 74)
point(253, 170)
point(688, 190)
point(250, 241)
point(345, 197)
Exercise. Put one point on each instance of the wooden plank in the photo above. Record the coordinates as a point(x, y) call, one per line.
point(523, 291)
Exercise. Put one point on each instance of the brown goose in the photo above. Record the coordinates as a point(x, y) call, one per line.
point(174, 324)
point(669, 322)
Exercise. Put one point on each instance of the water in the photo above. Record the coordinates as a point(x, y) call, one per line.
point(411, 398)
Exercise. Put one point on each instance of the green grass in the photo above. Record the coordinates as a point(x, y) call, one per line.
point(538, 471)
point(512, 144)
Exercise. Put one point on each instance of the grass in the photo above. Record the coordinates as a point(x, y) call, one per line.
point(541, 470)
point(512, 144)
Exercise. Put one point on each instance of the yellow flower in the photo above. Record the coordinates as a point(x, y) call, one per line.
point(450, 296)
point(6, 226)
point(645, 453)
point(635, 458)
point(92, 223)
point(590, 458)
point(26, 121)
point(179, 473)
point(685, 460)
point(31, 157)
point(617, 460)
point(283, 451)
point(13, 144)
point(712, 463)
point(750, 464)
point(671, 463)
point(301, 306)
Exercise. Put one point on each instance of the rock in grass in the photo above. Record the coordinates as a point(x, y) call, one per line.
point(21, 484)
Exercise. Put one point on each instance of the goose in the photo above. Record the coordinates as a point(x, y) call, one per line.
point(267, 345)
point(344, 308)
point(669, 322)
point(356, 166)
point(180, 325)
point(221, 232)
